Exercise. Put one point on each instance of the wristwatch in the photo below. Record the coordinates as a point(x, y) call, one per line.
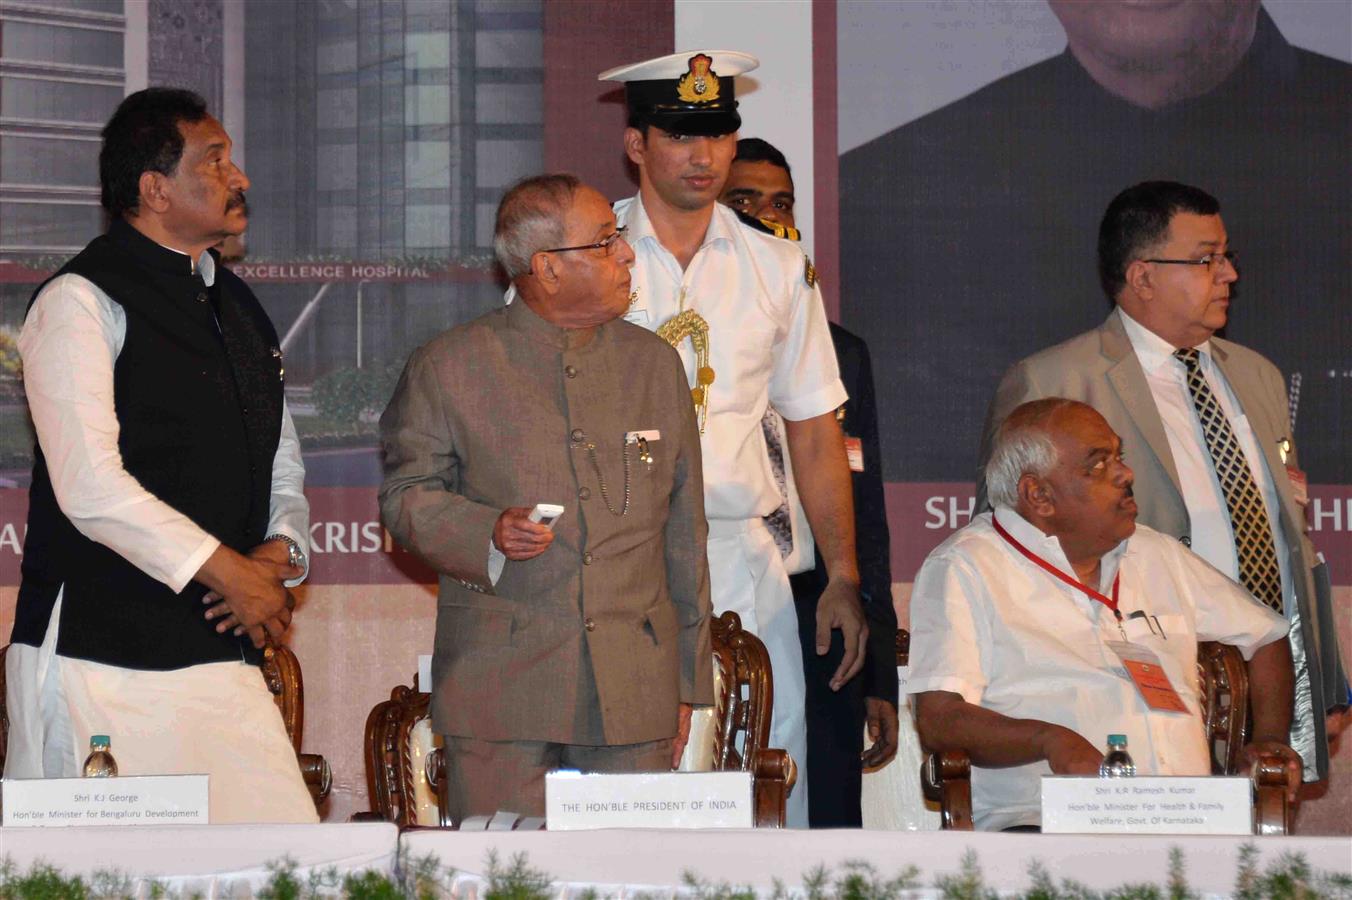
point(294, 555)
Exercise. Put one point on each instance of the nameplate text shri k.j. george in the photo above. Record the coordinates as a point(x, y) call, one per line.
point(131, 800)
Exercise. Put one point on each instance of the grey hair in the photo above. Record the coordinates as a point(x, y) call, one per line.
point(1022, 446)
point(531, 218)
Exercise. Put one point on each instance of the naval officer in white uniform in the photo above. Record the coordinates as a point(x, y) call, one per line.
point(743, 309)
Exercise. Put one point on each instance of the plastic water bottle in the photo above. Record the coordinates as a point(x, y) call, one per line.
point(1117, 761)
point(99, 763)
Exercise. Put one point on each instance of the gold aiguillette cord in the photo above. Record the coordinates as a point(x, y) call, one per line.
point(690, 324)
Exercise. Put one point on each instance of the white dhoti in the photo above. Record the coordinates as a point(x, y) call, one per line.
point(747, 576)
point(215, 718)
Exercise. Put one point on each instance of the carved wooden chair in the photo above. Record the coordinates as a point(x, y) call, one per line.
point(281, 672)
point(398, 748)
point(402, 766)
point(1223, 689)
point(743, 707)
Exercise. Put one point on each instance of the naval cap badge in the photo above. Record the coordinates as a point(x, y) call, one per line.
point(700, 83)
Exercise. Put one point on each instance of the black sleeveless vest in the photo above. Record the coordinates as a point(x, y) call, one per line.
point(199, 409)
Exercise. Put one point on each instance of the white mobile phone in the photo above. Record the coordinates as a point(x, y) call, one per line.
point(546, 513)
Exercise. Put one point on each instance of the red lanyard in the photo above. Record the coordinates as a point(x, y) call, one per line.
point(1054, 571)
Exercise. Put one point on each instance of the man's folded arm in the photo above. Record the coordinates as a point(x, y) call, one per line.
point(419, 499)
point(992, 740)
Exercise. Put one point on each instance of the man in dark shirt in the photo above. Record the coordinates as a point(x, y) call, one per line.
point(760, 186)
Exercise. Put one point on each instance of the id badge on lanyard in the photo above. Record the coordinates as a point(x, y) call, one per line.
point(1147, 672)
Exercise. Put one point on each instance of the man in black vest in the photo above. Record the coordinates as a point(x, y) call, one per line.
point(166, 512)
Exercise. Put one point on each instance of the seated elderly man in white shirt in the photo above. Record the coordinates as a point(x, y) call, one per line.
point(1031, 627)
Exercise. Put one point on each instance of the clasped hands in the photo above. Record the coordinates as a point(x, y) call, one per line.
point(247, 593)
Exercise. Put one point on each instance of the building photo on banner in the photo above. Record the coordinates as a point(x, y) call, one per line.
point(952, 161)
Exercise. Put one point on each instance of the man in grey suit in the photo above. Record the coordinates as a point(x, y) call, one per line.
point(1204, 425)
point(583, 644)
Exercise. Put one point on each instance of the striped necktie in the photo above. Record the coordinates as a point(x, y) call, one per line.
point(780, 522)
point(1258, 567)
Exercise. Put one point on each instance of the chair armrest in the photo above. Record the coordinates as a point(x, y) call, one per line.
point(772, 776)
point(314, 769)
point(1271, 810)
point(946, 779)
point(435, 770)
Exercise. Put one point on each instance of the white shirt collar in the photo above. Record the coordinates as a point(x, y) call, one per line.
point(639, 227)
point(206, 264)
point(1152, 350)
point(1049, 547)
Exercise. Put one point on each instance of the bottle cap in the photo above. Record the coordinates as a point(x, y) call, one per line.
point(1117, 739)
point(99, 739)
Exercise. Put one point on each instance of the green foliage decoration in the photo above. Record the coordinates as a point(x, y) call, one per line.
point(1288, 877)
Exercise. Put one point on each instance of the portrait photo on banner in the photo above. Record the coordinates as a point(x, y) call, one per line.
point(979, 146)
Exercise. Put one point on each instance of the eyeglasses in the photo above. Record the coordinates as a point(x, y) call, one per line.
point(1212, 260)
point(607, 244)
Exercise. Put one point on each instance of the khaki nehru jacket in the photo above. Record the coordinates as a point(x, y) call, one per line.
point(598, 639)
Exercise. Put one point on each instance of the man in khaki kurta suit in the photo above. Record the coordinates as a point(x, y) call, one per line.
point(586, 645)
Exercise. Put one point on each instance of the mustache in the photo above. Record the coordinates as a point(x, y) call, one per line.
point(238, 201)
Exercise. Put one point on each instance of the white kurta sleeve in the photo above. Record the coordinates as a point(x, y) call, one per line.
point(289, 511)
point(69, 342)
point(1226, 612)
point(947, 636)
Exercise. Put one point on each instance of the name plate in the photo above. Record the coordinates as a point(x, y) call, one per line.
point(575, 801)
point(1147, 805)
point(132, 800)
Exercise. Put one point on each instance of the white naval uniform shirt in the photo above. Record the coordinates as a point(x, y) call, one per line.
point(1212, 536)
point(69, 343)
point(989, 624)
point(768, 344)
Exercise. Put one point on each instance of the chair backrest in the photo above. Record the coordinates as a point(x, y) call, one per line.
point(281, 673)
point(745, 697)
point(398, 741)
point(1223, 692)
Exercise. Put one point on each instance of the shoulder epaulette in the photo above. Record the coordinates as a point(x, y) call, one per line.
point(786, 232)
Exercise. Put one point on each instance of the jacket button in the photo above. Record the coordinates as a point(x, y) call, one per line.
point(583, 493)
point(578, 434)
point(588, 624)
point(202, 298)
point(570, 371)
point(586, 559)
point(1185, 541)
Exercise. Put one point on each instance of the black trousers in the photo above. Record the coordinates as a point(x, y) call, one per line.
point(835, 720)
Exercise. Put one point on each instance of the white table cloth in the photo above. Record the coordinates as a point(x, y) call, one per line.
point(208, 860)
point(626, 863)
